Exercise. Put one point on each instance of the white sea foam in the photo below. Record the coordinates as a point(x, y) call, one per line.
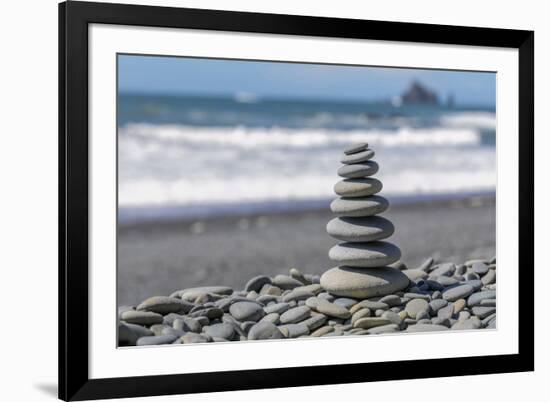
point(171, 165)
point(481, 120)
point(250, 138)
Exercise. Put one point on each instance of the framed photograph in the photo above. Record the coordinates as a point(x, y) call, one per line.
point(257, 200)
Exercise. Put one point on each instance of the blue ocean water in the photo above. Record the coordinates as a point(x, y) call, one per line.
point(186, 155)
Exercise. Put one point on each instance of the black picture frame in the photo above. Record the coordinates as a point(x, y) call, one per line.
point(74, 18)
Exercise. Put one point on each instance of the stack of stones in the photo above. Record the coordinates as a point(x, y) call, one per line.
point(364, 256)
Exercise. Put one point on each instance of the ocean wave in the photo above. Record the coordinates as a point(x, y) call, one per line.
point(475, 120)
point(250, 138)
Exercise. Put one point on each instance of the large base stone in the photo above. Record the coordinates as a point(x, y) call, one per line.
point(363, 283)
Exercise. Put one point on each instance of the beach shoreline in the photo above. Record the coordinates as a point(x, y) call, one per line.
point(158, 257)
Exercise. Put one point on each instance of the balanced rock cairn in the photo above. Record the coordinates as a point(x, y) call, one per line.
point(364, 256)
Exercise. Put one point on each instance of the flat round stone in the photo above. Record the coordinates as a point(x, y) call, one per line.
point(295, 315)
point(363, 229)
point(156, 340)
point(353, 149)
point(221, 330)
point(141, 317)
point(125, 336)
point(331, 309)
point(458, 292)
point(315, 321)
point(367, 255)
point(246, 311)
point(278, 308)
point(354, 207)
point(357, 170)
point(358, 187)
point(480, 268)
point(286, 282)
point(264, 330)
point(363, 282)
point(165, 305)
point(371, 322)
point(416, 306)
point(476, 298)
point(358, 157)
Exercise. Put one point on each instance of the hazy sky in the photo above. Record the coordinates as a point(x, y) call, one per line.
point(179, 75)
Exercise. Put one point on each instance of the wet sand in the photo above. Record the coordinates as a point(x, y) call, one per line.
point(156, 258)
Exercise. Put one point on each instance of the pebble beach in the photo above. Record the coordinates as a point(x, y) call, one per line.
point(370, 291)
point(439, 297)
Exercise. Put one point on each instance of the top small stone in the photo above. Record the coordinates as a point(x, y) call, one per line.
point(356, 148)
point(359, 157)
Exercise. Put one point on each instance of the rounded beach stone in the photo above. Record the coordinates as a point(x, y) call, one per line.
point(141, 317)
point(345, 302)
point(331, 309)
point(358, 170)
point(458, 292)
point(358, 187)
point(286, 282)
point(436, 305)
point(222, 330)
point(374, 254)
point(370, 304)
point(480, 268)
point(257, 283)
point(297, 294)
point(295, 315)
point(416, 306)
point(327, 329)
point(278, 308)
point(383, 329)
point(393, 317)
point(156, 340)
point(371, 322)
point(446, 269)
point(165, 305)
point(390, 300)
point(363, 282)
point(357, 157)
point(246, 311)
point(127, 337)
point(315, 321)
point(476, 298)
point(295, 330)
point(191, 337)
point(446, 312)
point(353, 149)
point(489, 278)
point(483, 311)
point(264, 330)
point(362, 313)
point(354, 207)
point(138, 331)
point(364, 229)
point(271, 317)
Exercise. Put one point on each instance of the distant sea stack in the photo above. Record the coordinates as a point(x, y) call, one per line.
point(363, 256)
point(419, 94)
